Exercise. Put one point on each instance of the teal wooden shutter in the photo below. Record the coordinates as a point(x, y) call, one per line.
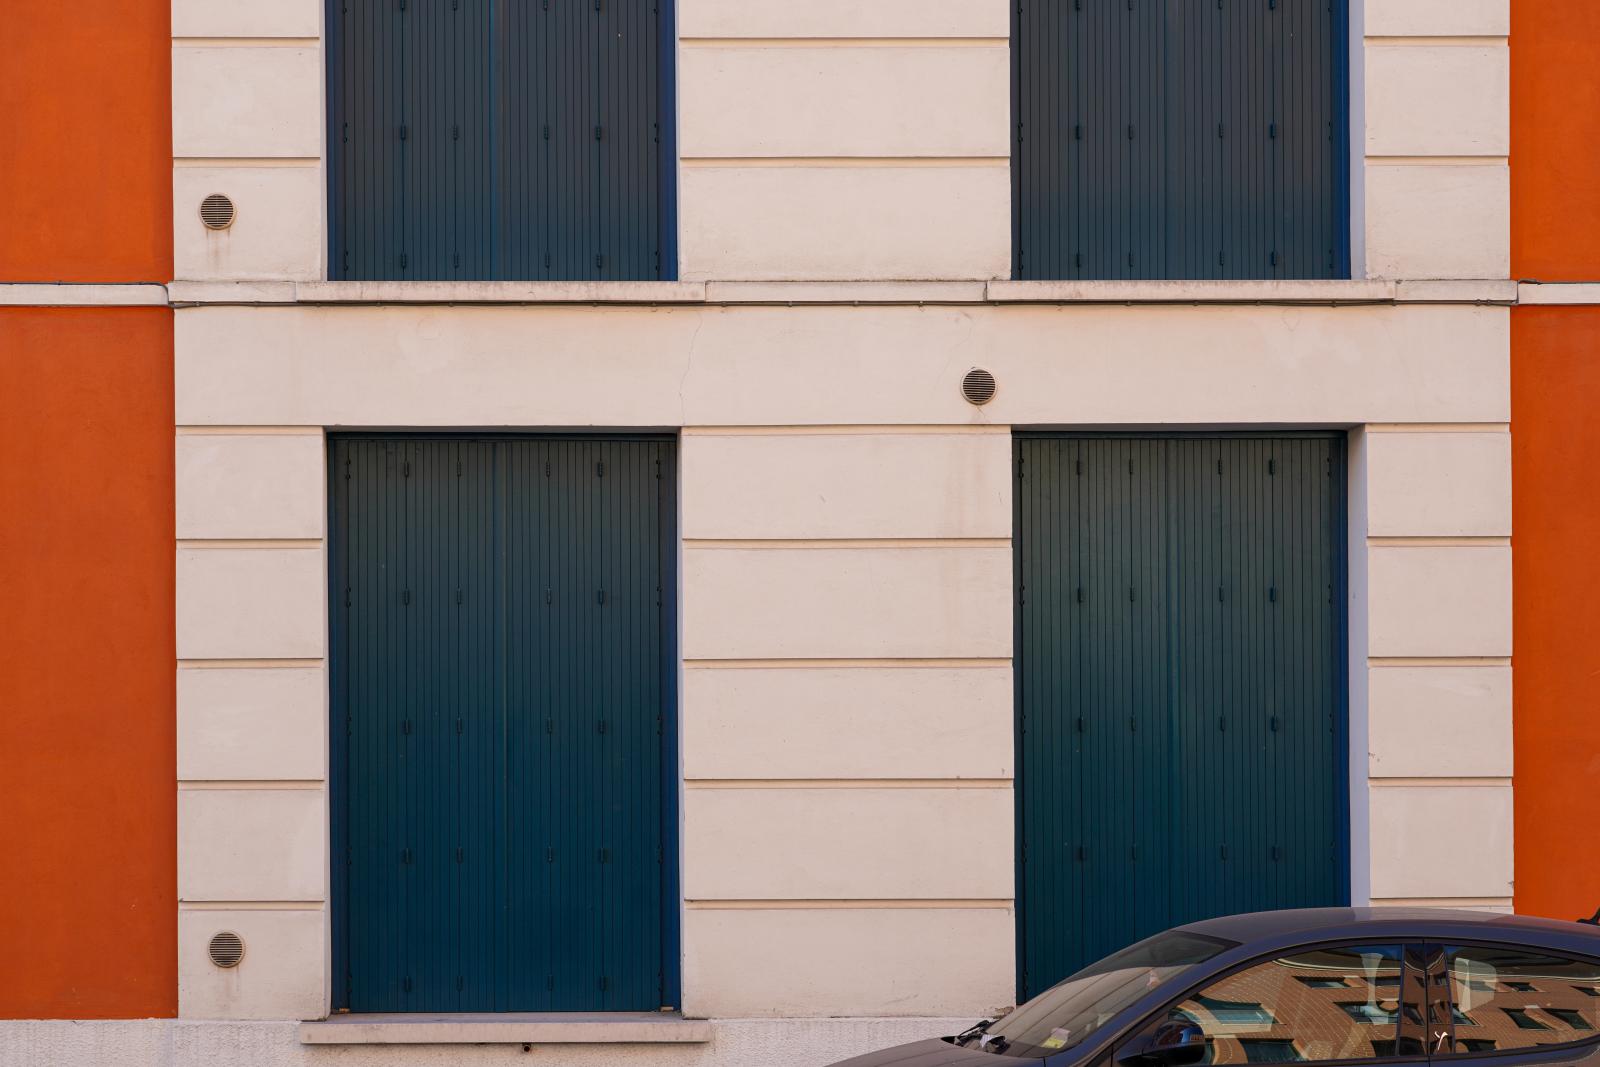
point(1180, 139)
point(1180, 681)
point(503, 764)
point(501, 140)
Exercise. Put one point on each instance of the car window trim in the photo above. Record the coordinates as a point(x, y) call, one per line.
point(1114, 1046)
point(1556, 1051)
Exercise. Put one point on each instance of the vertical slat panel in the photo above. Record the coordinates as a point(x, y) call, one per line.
point(504, 786)
point(1180, 686)
point(498, 139)
point(1180, 139)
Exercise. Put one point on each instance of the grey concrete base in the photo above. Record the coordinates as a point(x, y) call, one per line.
point(555, 1028)
point(180, 1043)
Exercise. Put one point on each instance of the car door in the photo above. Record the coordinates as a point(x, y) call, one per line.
point(1337, 1003)
point(1503, 1005)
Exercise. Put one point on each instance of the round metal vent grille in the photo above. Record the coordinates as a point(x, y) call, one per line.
point(216, 211)
point(978, 386)
point(226, 949)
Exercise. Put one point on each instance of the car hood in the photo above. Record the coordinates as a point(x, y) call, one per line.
point(930, 1053)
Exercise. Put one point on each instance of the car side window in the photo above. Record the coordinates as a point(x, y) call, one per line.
point(1507, 998)
point(1343, 1003)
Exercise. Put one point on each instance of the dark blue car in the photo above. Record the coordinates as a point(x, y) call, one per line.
point(1326, 986)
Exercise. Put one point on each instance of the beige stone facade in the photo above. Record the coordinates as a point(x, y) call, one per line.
point(846, 517)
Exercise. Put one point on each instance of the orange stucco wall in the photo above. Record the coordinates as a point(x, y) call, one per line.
point(86, 156)
point(88, 840)
point(1555, 448)
point(88, 847)
point(1555, 435)
point(1555, 141)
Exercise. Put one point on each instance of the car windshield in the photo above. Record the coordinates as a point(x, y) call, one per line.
point(1067, 1013)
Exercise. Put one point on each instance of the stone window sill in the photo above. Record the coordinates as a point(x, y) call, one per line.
point(725, 293)
point(560, 1028)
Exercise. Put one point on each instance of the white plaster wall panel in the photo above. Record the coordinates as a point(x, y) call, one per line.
point(770, 101)
point(250, 603)
point(282, 975)
point(877, 722)
point(250, 486)
point(1439, 722)
point(845, 223)
point(277, 228)
point(1439, 484)
point(1439, 601)
point(1441, 841)
point(844, 18)
point(251, 844)
point(655, 367)
point(439, 367)
point(242, 724)
point(1438, 221)
point(869, 603)
point(837, 485)
point(246, 18)
point(835, 961)
point(842, 844)
point(245, 100)
point(1447, 100)
point(1438, 18)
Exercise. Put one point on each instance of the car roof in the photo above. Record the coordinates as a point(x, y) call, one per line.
point(1327, 923)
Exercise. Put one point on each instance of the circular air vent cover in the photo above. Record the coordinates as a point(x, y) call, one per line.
point(226, 949)
point(978, 386)
point(216, 211)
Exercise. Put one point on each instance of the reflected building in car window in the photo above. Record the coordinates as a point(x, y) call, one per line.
point(1348, 1004)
